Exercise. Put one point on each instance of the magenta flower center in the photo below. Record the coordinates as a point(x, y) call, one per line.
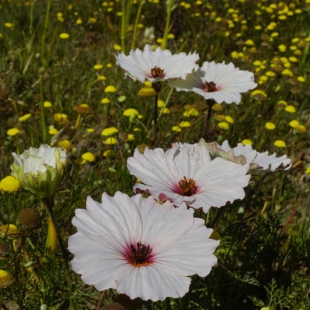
point(187, 187)
point(210, 87)
point(157, 72)
point(139, 255)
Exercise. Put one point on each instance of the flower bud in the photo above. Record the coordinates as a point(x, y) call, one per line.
point(40, 171)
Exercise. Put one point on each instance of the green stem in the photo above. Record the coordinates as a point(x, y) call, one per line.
point(136, 24)
point(210, 103)
point(164, 43)
point(31, 18)
point(43, 119)
point(46, 22)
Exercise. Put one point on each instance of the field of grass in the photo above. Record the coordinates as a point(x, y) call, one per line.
point(60, 85)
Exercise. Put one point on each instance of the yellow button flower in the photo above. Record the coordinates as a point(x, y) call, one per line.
point(24, 117)
point(13, 132)
point(110, 141)
point(88, 156)
point(6, 279)
point(279, 143)
point(98, 66)
point(184, 124)
point(109, 131)
point(9, 184)
point(130, 112)
point(270, 126)
point(66, 144)
point(64, 36)
point(246, 141)
point(290, 109)
point(294, 123)
point(223, 125)
point(110, 89)
point(176, 128)
point(105, 101)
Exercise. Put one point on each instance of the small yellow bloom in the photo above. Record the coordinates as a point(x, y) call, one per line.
point(109, 154)
point(301, 128)
point(170, 36)
point(101, 78)
point(270, 74)
point(307, 170)
point(223, 125)
point(66, 144)
point(270, 126)
point(105, 101)
point(64, 36)
point(79, 21)
point(259, 94)
point(82, 108)
point(229, 119)
point(9, 184)
point(90, 130)
point(184, 124)
point(130, 112)
point(246, 141)
point(8, 25)
point(249, 43)
point(88, 156)
point(301, 79)
point(191, 112)
point(121, 98)
point(13, 132)
point(294, 123)
point(131, 137)
point(282, 48)
point(61, 118)
point(52, 131)
point(51, 239)
point(293, 59)
point(24, 117)
point(282, 104)
point(147, 91)
point(92, 20)
point(290, 109)
point(109, 131)
point(287, 72)
point(217, 107)
point(6, 279)
point(9, 230)
point(176, 128)
point(109, 65)
point(98, 66)
point(47, 104)
point(117, 47)
point(166, 111)
point(110, 141)
point(110, 89)
point(279, 143)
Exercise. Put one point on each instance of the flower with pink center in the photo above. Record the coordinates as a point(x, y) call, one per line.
point(217, 81)
point(157, 65)
point(186, 174)
point(140, 248)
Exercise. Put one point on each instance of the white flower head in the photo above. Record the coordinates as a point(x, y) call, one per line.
point(140, 248)
point(187, 174)
point(40, 170)
point(156, 65)
point(245, 154)
point(217, 81)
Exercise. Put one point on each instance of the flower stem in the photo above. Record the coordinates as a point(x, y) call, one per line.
point(46, 21)
point(164, 42)
point(100, 300)
point(210, 103)
point(136, 24)
point(42, 110)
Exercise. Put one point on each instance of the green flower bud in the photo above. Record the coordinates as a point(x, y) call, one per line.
point(40, 171)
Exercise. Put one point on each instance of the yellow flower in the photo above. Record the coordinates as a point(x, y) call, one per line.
point(52, 131)
point(229, 119)
point(82, 108)
point(301, 79)
point(109, 153)
point(307, 170)
point(160, 103)
point(61, 118)
point(223, 125)
point(101, 78)
point(259, 94)
point(282, 104)
point(131, 137)
point(105, 101)
point(9, 230)
point(88, 156)
point(109, 65)
point(64, 36)
point(293, 59)
point(66, 144)
point(301, 128)
point(147, 91)
point(117, 47)
point(13, 131)
point(176, 128)
point(270, 126)
point(121, 98)
point(98, 66)
point(110, 89)
point(217, 107)
point(9, 184)
point(110, 141)
point(109, 131)
point(246, 141)
point(8, 25)
point(287, 72)
point(184, 124)
point(24, 117)
point(282, 48)
point(191, 112)
point(249, 42)
point(51, 239)
point(130, 112)
point(294, 123)
point(47, 104)
point(279, 143)
point(290, 109)
point(79, 21)
point(90, 130)
point(6, 279)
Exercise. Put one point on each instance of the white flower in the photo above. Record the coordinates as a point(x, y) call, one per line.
point(220, 82)
point(140, 248)
point(156, 65)
point(186, 173)
point(245, 154)
point(40, 170)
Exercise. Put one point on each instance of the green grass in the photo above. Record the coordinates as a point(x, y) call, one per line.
point(264, 239)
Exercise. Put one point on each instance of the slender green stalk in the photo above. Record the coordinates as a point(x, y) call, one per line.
point(164, 43)
point(166, 103)
point(31, 18)
point(210, 103)
point(136, 24)
point(46, 21)
point(43, 118)
point(126, 8)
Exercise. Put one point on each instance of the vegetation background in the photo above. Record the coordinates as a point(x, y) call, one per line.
point(57, 55)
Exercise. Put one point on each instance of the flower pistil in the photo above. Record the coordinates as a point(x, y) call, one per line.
point(157, 72)
point(139, 255)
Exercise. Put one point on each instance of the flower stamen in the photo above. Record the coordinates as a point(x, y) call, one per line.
point(210, 87)
point(139, 255)
point(157, 72)
point(187, 187)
